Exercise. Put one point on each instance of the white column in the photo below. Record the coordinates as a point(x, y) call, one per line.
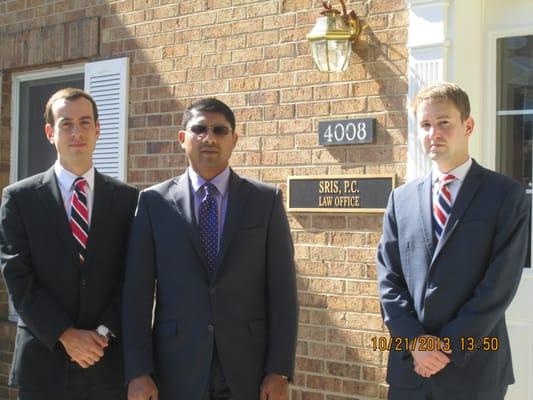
point(428, 52)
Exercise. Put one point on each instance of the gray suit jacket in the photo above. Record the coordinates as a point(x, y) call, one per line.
point(249, 307)
point(460, 287)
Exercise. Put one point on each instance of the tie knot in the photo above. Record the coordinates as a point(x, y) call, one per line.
point(446, 179)
point(209, 189)
point(79, 184)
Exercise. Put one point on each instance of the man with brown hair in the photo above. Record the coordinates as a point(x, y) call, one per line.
point(449, 263)
point(63, 238)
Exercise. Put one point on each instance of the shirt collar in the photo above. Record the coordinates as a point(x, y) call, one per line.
point(67, 178)
point(221, 181)
point(459, 172)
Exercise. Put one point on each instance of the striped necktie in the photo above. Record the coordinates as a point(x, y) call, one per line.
point(443, 206)
point(79, 217)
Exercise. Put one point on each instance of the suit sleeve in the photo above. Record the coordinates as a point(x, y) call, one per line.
point(138, 295)
point(110, 316)
point(480, 314)
point(282, 298)
point(45, 318)
point(396, 301)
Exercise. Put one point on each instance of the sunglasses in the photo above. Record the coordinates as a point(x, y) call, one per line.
point(218, 130)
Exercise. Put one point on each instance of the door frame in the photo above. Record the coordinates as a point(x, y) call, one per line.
point(489, 142)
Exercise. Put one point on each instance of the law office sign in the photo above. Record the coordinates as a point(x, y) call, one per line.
point(343, 193)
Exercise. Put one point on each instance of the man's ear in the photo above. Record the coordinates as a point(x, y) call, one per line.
point(49, 131)
point(97, 126)
point(469, 124)
point(181, 138)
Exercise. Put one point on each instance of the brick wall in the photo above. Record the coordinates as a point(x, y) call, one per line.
point(254, 56)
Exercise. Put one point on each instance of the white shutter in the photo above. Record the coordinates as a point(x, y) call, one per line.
point(107, 82)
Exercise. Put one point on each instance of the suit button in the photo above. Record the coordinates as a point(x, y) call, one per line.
point(83, 282)
point(212, 291)
point(210, 328)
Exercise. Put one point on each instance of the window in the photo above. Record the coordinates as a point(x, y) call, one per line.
point(106, 81)
point(514, 114)
point(35, 154)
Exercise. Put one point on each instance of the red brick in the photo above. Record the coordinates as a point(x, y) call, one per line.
point(360, 388)
point(344, 336)
point(324, 383)
point(309, 364)
point(326, 351)
point(343, 370)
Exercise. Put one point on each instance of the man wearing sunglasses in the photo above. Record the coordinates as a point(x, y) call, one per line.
point(215, 251)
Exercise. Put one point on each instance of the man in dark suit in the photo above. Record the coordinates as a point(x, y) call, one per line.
point(216, 250)
point(63, 239)
point(449, 263)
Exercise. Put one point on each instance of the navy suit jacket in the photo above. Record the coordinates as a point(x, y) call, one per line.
point(249, 307)
point(460, 287)
point(50, 289)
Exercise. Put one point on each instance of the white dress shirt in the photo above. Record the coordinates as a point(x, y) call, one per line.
point(453, 187)
point(66, 186)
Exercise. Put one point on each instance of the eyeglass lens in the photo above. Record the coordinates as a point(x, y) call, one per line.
point(219, 130)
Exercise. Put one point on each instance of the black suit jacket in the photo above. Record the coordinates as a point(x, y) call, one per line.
point(50, 289)
point(460, 287)
point(249, 306)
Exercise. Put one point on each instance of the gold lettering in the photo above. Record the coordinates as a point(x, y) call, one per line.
point(325, 201)
point(328, 187)
point(346, 201)
point(350, 186)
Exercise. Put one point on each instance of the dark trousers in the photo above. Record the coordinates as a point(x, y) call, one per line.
point(77, 389)
point(218, 388)
point(429, 392)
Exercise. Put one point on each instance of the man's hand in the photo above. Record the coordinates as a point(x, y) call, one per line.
point(428, 363)
point(274, 387)
point(83, 347)
point(142, 388)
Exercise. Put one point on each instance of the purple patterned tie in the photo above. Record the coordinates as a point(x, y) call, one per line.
point(208, 223)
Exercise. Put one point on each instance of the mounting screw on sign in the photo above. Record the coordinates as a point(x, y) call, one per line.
point(350, 131)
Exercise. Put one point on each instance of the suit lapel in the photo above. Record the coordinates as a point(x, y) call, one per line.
point(50, 195)
point(468, 189)
point(235, 206)
point(101, 213)
point(424, 202)
point(182, 194)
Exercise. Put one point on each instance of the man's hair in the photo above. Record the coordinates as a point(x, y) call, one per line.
point(209, 104)
point(69, 94)
point(444, 91)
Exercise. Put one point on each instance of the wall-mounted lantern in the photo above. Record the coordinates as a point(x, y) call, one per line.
point(332, 37)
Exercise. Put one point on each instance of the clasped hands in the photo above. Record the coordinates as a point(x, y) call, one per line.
point(429, 362)
point(84, 347)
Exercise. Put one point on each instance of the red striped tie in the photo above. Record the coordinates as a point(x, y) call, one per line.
point(79, 217)
point(443, 206)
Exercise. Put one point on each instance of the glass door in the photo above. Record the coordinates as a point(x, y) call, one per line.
point(514, 127)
